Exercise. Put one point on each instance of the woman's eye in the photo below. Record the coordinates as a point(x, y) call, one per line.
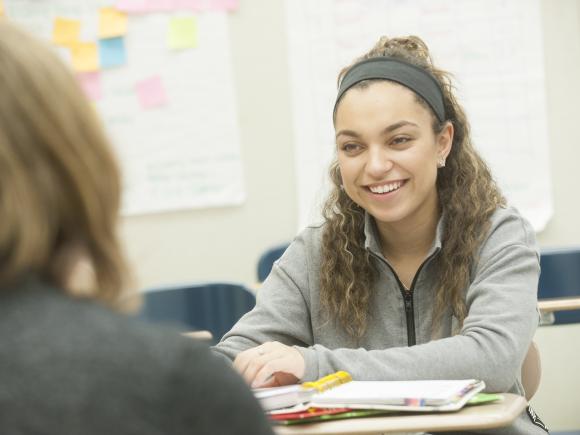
point(350, 147)
point(400, 140)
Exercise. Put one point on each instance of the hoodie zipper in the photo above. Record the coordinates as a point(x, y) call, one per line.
point(408, 297)
point(410, 314)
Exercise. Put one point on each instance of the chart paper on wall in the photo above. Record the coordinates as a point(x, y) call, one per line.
point(161, 78)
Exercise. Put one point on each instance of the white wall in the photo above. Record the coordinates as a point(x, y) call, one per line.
point(561, 20)
point(556, 400)
point(224, 243)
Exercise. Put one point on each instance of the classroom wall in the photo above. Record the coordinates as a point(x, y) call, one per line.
point(561, 20)
point(556, 400)
point(225, 243)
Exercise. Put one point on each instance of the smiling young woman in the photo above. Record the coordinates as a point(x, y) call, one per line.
point(420, 270)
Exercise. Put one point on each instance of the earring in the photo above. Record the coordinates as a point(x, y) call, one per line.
point(342, 187)
point(441, 162)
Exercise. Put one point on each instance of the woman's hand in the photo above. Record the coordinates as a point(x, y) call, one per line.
point(270, 365)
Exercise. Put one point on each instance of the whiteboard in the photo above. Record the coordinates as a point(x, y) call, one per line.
point(185, 152)
point(494, 49)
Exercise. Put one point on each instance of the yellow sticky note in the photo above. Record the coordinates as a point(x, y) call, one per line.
point(66, 32)
point(182, 33)
point(112, 23)
point(85, 56)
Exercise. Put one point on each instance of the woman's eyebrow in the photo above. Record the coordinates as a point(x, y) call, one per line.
point(398, 125)
point(350, 133)
point(386, 130)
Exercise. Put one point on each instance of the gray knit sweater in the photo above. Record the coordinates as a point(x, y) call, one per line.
point(398, 345)
point(72, 367)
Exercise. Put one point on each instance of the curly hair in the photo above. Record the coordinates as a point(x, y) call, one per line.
point(468, 196)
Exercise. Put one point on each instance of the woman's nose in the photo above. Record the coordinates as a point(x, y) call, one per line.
point(379, 162)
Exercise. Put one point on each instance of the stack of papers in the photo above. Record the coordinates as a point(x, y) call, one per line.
point(428, 396)
point(434, 395)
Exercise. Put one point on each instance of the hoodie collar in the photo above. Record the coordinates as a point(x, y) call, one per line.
point(373, 241)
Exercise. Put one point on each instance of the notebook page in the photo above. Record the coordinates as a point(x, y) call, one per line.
point(396, 392)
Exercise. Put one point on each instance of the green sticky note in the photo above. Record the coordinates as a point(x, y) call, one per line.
point(182, 33)
point(481, 398)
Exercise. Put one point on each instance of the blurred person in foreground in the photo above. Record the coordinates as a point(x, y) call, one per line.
point(68, 363)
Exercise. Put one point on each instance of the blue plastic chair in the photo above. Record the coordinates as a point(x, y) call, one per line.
point(214, 307)
point(267, 260)
point(560, 278)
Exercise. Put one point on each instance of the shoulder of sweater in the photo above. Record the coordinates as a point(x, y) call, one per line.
point(44, 314)
point(509, 225)
point(311, 234)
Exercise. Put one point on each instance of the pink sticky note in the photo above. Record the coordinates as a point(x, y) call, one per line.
point(195, 5)
point(151, 92)
point(224, 5)
point(91, 83)
point(160, 5)
point(132, 6)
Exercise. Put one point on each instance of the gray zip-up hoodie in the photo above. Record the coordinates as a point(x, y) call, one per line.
point(398, 344)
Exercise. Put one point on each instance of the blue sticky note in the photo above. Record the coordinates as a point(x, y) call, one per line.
point(112, 52)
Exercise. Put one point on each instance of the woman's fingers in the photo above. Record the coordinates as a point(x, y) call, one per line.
point(247, 362)
point(270, 364)
point(280, 378)
point(285, 366)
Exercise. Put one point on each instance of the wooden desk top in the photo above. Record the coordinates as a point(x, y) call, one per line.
point(558, 304)
point(199, 335)
point(471, 417)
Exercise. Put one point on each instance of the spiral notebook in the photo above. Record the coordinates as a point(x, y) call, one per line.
point(431, 395)
point(338, 391)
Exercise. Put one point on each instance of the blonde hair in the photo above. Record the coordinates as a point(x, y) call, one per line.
point(467, 193)
point(59, 181)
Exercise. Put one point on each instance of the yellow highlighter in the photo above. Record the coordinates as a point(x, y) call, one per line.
point(329, 381)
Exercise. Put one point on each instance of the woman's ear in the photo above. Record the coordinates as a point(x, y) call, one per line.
point(445, 140)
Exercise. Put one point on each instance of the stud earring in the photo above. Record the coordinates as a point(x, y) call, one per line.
point(441, 162)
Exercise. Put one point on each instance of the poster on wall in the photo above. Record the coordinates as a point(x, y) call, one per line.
point(159, 74)
point(494, 49)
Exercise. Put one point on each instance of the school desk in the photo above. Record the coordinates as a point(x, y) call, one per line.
point(549, 306)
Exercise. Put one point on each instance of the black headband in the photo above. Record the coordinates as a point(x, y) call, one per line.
point(418, 80)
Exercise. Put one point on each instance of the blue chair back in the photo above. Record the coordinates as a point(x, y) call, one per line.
point(267, 260)
point(214, 307)
point(560, 278)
